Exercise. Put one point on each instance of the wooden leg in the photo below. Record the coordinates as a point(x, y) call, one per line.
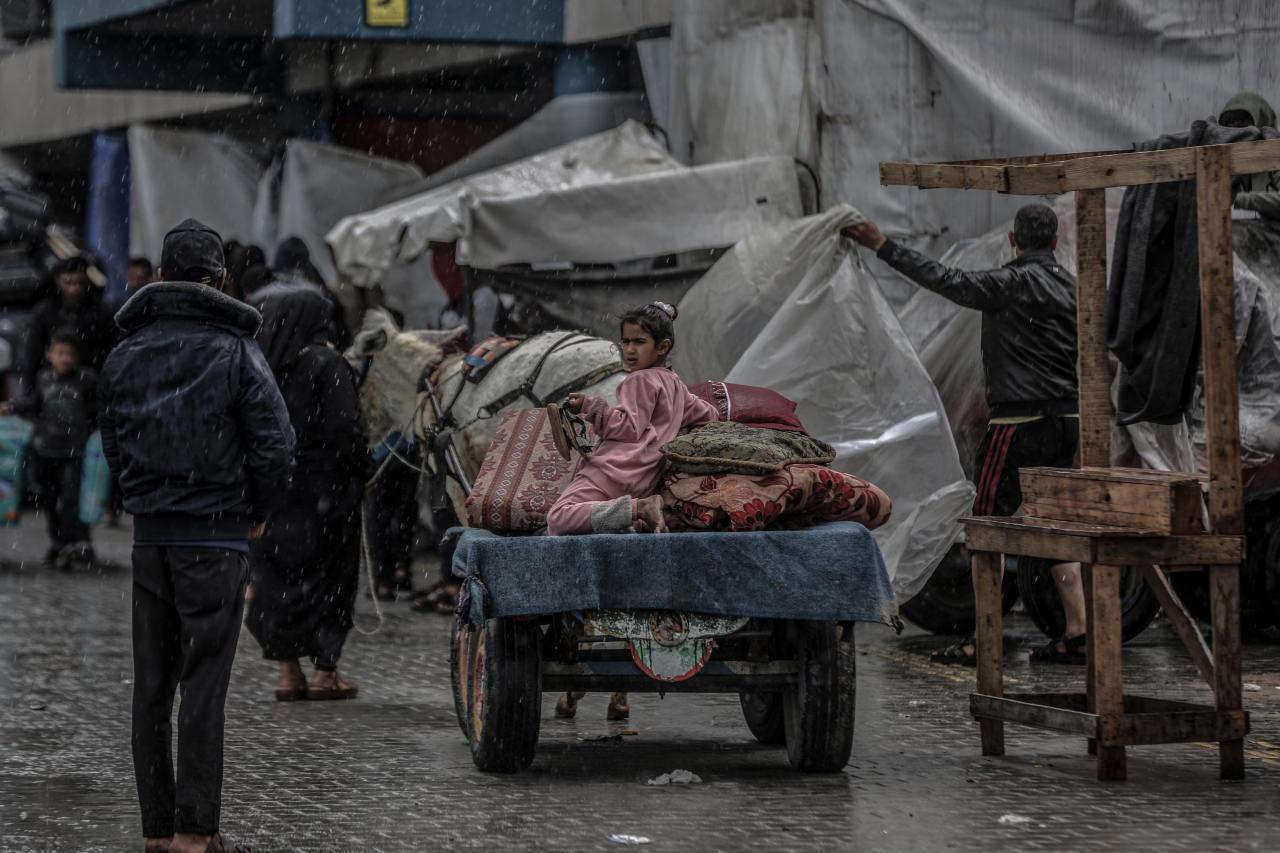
point(1225, 600)
point(987, 583)
point(1104, 663)
point(1086, 577)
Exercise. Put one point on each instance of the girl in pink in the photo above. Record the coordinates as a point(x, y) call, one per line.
point(613, 491)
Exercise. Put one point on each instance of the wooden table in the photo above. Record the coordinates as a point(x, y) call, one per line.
point(1110, 720)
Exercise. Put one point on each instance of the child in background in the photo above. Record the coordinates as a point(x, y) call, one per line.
point(613, 491)
point(63, 402)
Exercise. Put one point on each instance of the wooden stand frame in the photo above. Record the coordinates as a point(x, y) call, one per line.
point(1109, 719)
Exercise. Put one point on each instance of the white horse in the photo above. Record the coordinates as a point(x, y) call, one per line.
point(394, 364)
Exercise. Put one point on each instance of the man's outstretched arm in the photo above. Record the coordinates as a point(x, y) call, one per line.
point(983, 290)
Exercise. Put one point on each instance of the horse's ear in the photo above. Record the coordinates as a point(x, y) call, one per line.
point(369, 342)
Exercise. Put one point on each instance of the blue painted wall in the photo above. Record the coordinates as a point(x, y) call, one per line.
point(106, 224)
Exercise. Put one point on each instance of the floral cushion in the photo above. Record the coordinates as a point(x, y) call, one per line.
point(796, 496)
point(734, 448)
point(521, 477)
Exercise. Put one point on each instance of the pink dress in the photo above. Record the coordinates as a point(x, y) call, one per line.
point(653, 406)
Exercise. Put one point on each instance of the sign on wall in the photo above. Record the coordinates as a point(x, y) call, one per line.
point(386, 13)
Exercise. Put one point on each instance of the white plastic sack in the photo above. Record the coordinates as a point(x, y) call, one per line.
point(794, 310)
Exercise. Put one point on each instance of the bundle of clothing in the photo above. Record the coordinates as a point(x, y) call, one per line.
point(755, 469)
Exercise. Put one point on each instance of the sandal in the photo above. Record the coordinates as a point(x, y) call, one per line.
point(956, 654)
point(322, 689)
point(1049, 653)
point(218, 844)
point(442, 599)
point(568, 431)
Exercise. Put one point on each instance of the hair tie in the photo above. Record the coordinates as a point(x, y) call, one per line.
point(665, 308)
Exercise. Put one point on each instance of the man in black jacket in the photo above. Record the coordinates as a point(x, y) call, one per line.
point(1029, 360)
point(77, 306)
point(195, 430)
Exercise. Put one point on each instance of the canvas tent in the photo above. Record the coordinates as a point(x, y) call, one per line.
point(851, 83)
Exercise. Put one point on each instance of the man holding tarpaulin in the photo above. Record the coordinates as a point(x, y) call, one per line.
point(1029, 361)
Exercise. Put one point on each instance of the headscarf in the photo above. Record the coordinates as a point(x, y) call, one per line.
point(292, 321)
point(293, 256)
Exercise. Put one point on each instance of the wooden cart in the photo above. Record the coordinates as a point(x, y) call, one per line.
point(1107, 518)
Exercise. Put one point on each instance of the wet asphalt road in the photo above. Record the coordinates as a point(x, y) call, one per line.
point(390, 770)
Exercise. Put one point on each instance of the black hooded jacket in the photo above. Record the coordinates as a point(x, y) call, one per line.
point(1028, 326)
point(192, 422)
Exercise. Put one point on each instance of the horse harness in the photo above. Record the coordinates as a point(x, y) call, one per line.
point(440, 435)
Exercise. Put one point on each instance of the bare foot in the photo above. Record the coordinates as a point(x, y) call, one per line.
point(156, 845)
point(567, 706)
point(619, 708)
point(648, 515)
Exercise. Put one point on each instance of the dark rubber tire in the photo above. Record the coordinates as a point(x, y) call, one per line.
point(505, 695)
point(1259, 574)
point(945, 604)
point(1139, 605)
point(459, 667)
point(764, 716)
point(818, 712)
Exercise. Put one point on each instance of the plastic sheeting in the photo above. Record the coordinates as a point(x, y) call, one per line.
point(794, 310)
point(367, 245)
point(178, 174)
point(659, 213)
point(940, 80)
point(948, 340)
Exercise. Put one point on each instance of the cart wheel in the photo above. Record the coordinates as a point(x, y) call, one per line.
point(1259, 574)
point(945, 604)
point(818, 710)
point(505, 695)
point(763, 713)
point(1138, 604)
point(460, 645)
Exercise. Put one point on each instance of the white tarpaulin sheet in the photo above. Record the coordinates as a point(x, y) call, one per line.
point(367, 245)
point(659, 213)
point(939, 80)
point(794, 310)
point(176, 174)
point(320, 184)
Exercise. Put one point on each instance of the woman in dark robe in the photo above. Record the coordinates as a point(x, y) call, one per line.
point(306, 565)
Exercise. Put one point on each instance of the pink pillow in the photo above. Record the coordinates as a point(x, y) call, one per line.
point(747, 404)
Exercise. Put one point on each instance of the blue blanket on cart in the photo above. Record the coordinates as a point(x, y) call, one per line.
point(833, 572)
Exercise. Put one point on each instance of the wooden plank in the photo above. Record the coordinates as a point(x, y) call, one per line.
point(1170, 552)
point(1104, 662)
point(1183, 624)
point(1039, 715)
point(1029, 541)
point(1134, 168)
point(1224, 597)
point(1046, 174)
point(1172, 727)
point(927, 176)
point(1061, 528)
point(1118, 475)
point(1090, 682)
point(988, 571)
point(1095, 498)
point(1093, 362)
point(1217, 320)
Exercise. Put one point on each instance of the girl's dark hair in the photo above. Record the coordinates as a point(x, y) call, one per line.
point(656, 318)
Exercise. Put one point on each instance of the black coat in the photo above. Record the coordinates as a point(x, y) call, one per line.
point(192, 422)
point(65, 409)
point(1028, 325)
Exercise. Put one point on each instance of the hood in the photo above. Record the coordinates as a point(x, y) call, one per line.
point(1256, 106)
point(188, 301)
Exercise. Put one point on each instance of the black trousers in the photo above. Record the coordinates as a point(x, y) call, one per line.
point(187, 604)
point(392, 515)
point(59, 482)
